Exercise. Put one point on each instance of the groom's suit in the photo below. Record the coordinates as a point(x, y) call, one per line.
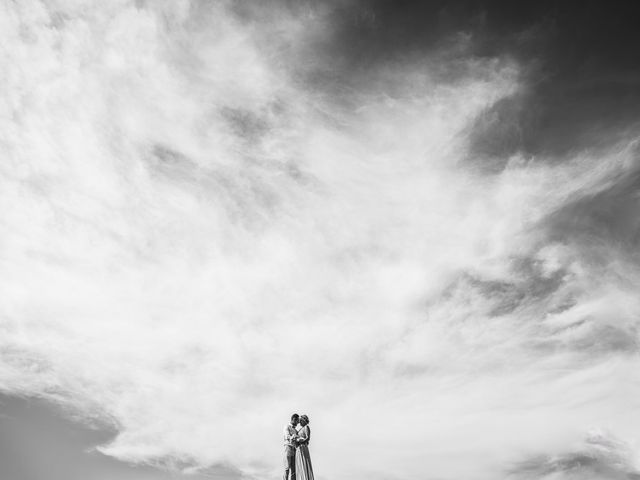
point(289, 452)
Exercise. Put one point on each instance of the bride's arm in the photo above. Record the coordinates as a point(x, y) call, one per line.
point(303, 434)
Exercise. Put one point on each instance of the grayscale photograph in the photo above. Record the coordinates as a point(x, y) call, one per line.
point(319, 240)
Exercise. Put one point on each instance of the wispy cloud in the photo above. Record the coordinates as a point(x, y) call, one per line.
point(199, 236)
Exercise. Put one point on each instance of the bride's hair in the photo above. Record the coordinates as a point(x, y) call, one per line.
point(305, 418)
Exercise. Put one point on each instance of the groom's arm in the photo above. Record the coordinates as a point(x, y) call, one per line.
point(288, 436)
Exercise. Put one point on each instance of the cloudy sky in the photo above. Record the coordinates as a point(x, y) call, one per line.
point(417, 222)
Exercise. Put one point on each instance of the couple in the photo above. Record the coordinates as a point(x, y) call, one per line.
point(296, 449)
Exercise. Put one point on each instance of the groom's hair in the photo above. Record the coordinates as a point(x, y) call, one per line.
point(295, 416)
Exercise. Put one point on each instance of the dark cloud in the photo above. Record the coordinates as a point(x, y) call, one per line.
point(604, 223)
point(38, 441)
point(579, 64)
point(601, 458)
point(528, 286)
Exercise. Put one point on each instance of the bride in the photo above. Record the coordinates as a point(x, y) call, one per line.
point(304, 471)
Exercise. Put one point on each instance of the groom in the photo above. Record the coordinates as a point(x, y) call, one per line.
point(290, 433)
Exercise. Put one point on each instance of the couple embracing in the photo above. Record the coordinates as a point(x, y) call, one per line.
point(297, 461)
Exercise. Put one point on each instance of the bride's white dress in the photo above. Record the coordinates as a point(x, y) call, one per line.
point(304, 470)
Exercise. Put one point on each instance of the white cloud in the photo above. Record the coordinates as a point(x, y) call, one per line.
point(194, 245)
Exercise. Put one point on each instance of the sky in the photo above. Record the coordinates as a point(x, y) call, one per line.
point(416, 222)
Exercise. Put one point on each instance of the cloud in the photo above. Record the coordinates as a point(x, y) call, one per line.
point(600, 457)
point(199, 238)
